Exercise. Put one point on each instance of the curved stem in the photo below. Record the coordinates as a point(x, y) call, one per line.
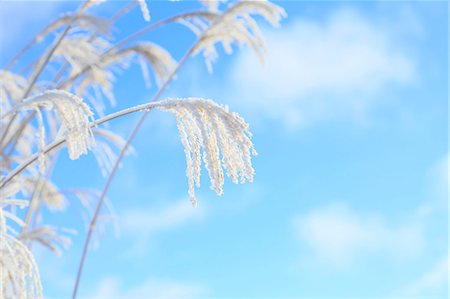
point(116, 166)
point(57, 143)
point(119, 14)
point(20, 54)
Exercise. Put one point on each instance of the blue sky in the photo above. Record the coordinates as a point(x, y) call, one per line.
point(350, 120)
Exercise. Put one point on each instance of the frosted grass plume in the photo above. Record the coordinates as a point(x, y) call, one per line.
point(19, 276)
point(221, 135)
point(236, 25)
point(75, 117)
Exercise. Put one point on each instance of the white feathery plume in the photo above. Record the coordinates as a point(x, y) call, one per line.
point(12, 88)
point(145, 72)
point(160, 59)
point(144, 10)
point(53, 199)
point(48, 236)
point(19, 275)
point(104, 153)
point(199, 23)
point(74, 114)
point(100, 79)
point(101, 73)
point(80, 51)
point(205, 125)
point(89, 23)
point(237, 26)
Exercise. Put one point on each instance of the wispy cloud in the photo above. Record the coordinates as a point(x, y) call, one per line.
point(112, 287)
point(436, 206)
point(432, 283)
point(142, 223)
point(337, 235)
point(320, 70)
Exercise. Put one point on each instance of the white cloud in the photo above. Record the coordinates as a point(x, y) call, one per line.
point(317, 71)
point(337, 235)
point(432, 283)
point(148, 220)
point(437, 206)
point(112, 287)
point(142, 223)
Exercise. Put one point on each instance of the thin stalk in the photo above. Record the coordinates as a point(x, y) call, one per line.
point(57, 143)
point(124, 11)
point(49, 55)
point(20, 54)
point(122, 154)
point(116, 166)
point(34, 203)
point(34, 41)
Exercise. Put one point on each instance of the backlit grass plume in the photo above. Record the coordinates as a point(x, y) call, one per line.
point(73, 113)
point(236, 25)
point(19, 276)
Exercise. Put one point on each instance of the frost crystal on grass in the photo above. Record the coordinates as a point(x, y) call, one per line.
point(74, 114)
point(19, 276)
point(88, 23)
point(237, 26)
point(80, 51)
point(49, 194)
point(205, 125)
point(160, 59)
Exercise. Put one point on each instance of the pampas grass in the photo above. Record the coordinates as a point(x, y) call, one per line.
point(40, 116)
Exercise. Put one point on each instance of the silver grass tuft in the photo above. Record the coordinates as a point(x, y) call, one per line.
point(73, 112)
point(237, 26)
point(207, 126)
point(160, 59)
point(48, 236)
point(19, 276)
point(12, 87)
point(80, 51)
point(48, 193)
point(103, 151)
